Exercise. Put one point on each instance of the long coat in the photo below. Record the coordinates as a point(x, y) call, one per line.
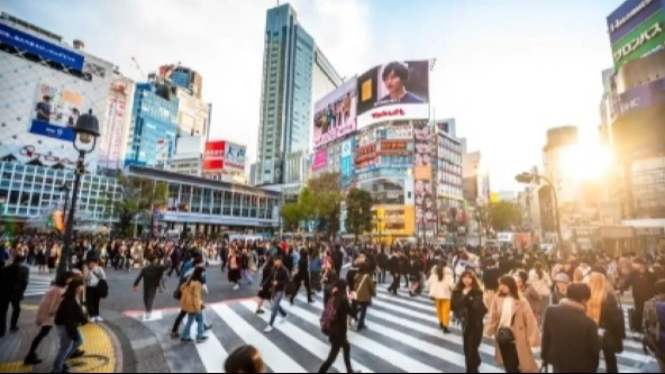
point(525, 329)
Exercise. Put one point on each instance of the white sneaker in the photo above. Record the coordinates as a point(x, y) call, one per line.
point(268, 330)
point(236, 287)
point(99, 319)
point(283, 320)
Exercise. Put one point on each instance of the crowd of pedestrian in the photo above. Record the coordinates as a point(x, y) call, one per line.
point(572, 308)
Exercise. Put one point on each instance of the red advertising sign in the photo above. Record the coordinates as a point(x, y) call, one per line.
point(213, 160)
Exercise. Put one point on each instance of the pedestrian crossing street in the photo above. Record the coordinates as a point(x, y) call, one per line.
point(38, 284)
point(402, 336)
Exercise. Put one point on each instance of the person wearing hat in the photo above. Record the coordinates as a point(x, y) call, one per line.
point(561, 282)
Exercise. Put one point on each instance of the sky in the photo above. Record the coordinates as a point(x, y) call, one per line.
point(506, 70)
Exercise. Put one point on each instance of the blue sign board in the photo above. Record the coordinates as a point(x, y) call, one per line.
point(629, 15)
point(49, 51)
point(52, 131)
point(640, 97)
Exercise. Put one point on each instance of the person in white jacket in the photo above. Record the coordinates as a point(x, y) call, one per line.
point(441, 284)
point(541, 281)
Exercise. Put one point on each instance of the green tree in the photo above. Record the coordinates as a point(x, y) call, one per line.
point(133, 196)
point(505, 216)
point(322, 201)
point(359, 212)
point(292, 215)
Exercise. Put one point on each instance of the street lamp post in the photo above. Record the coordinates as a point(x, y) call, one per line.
point(87, 132)
point(65, 189)
point(529, 178)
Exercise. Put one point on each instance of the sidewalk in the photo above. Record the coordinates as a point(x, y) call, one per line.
point(103, 353)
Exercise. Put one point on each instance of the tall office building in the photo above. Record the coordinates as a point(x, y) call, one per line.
point(295, 71)
point(154, 125)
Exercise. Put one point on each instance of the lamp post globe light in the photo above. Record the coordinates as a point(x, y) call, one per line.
point(85, 141)
point(535, 178)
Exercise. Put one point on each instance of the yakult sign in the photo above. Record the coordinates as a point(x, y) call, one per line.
point(398, 90)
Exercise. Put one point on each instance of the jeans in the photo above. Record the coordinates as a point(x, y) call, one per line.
point(200, 328)
point(247, 275)
point(277, 307)
point(5, 302)
point(360, 310)
point(181, 316)
point(68, 345)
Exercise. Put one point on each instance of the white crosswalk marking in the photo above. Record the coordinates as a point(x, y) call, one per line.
point(308, 342)
point(38, 284)
point(403, 335)
point(274, 357)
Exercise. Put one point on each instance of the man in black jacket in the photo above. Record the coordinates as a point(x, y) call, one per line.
point(570, 339)
point(302, 276)
point(13, 283)
point(152, 276)
point(394, 266)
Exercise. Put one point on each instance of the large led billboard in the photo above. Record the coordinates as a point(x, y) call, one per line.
point(234, 157)
point(41, 104)
point(213, 159)
point(639, 42)
point(394, 91)
point(629, 15)
point(335, 114)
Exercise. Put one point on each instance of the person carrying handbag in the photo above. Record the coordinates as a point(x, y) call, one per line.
point(514, 328)
point(362, 297)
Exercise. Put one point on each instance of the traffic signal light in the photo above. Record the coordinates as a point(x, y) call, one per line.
point(525, 178)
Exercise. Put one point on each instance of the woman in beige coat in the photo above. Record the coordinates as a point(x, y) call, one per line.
point(512, 311)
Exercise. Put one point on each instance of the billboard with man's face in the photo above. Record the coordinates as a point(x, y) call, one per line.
point(398, 90)
point(335, 114)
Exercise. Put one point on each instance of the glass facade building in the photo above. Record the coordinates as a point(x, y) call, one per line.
point(152, 134)
point(34, 193)
point(294, 70)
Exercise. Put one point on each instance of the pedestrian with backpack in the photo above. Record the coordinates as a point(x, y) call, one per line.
point(654, 324)
point(334, 325)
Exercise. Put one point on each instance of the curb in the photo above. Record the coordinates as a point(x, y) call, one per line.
point(135, 341)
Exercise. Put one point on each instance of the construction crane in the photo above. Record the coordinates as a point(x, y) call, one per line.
point(138, 68)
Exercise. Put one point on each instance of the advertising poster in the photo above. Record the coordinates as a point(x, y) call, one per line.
point(396, 130)
point(213, 160)
point(56, 112)
point(641, 97)
point(346, 162)
point(398, 90)
point(110, 144)
point(40, 47)
point(423, 157)
point(234, 157)
point(640, 41)
point(366, 137)
point(629, 15)
point(320, 160)
point(335, 114)
point(366, 157)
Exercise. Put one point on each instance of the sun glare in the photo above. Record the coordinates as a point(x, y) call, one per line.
point(587, 161)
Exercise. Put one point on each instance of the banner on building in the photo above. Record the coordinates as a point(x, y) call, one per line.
point(213, 160)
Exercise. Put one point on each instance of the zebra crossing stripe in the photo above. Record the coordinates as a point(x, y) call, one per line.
point(272, 355)
point(450, 356)
point(307, 341)
point(212, 353)
point(381, 302)
point(397, 359)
